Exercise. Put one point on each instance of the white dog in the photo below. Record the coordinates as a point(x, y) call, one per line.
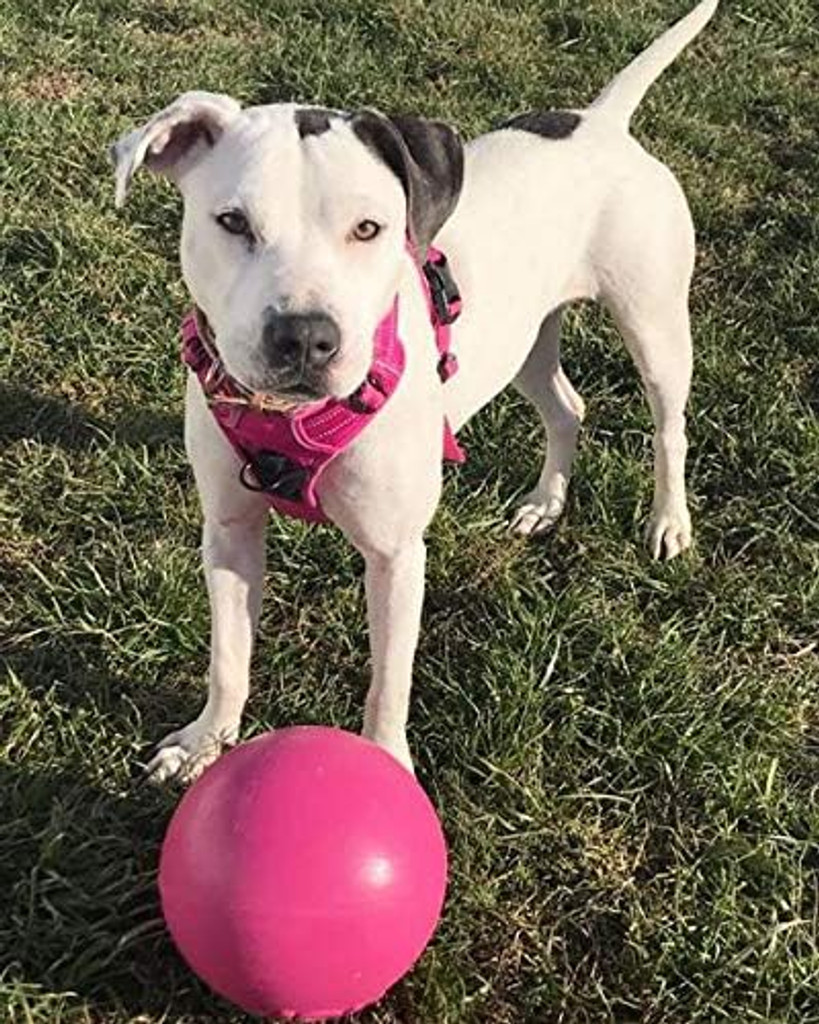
point(294, 249)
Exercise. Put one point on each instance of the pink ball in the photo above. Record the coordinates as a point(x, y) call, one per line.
point(303, 873)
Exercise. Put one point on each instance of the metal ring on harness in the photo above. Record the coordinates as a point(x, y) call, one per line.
point(272, 473)
point(357, 400)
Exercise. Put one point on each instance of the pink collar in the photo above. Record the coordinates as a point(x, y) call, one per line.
point(283, 447)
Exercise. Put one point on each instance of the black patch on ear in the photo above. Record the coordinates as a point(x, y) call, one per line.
point(427, 157)
point(549, 124)
point(313, 121)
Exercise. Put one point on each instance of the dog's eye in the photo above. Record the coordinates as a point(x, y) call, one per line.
point(366, 230)
point(235, 223)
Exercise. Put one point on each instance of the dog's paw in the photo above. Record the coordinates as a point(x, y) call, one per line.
point(185, 754)
point(395, 745)
point(536, 516)
point(668, 533)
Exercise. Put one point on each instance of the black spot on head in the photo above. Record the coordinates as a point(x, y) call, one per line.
point(549, 124)
point(313, 120)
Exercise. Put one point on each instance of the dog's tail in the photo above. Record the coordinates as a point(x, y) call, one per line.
point(622, 96)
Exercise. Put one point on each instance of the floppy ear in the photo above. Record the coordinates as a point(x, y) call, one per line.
point(173, 139)
point(428, 159)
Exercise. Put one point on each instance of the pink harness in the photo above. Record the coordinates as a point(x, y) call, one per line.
point(284, 453)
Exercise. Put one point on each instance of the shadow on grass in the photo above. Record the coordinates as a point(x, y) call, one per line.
point(83, 914)
point(27, 415)
point(82, 908)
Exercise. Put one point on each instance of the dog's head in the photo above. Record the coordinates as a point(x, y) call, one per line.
point(295, 225)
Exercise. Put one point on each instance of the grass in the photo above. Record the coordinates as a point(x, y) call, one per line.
point(625, 755)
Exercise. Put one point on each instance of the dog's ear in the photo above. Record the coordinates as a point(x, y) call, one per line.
point(428, 159)
point(173, 139)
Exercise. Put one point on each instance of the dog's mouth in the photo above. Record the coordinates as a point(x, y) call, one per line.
point(296, 390)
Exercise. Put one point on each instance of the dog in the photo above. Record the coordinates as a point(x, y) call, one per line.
point(303, 227)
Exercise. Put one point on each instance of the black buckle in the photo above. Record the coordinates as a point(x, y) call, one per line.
point(442, 288)
point(274, 474)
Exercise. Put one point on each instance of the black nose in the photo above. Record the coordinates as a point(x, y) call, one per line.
point(300, 340)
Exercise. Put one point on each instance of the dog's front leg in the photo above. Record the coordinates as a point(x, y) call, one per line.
point(395, 594)
point(233, 562)
point(384, 501)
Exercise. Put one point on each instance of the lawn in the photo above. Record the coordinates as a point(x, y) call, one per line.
point(625, 754)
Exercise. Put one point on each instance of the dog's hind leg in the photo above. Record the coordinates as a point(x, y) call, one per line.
point(645, 278)
point(561, 410)
point(660, 344)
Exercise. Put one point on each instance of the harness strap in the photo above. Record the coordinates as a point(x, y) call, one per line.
point(444, 300)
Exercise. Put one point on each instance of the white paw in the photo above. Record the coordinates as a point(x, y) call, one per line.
point(395, 745)
point(668, 533)
point(536, 515)
point(183, 755)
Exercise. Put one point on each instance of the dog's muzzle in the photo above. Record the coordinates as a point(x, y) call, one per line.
point(297, 347)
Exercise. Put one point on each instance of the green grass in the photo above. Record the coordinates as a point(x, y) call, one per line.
point(625, 755)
